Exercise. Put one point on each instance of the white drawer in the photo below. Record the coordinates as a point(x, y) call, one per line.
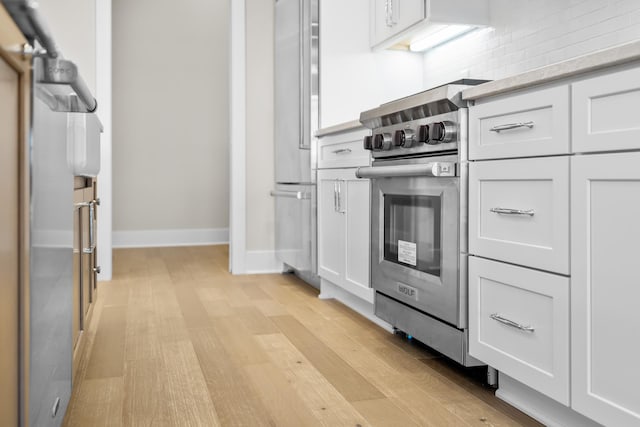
point(605, 115)
point(532, 123)
point(519, 324)
point(342, 150)
point(519, 212)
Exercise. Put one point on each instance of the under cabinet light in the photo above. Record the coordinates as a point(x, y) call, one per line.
point(438, 34)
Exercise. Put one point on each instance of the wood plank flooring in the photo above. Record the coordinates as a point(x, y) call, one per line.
point(175, 340)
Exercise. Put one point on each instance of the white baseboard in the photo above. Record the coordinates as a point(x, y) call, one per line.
point(538, 406)
point(262, 262)
point(365, 308)
point(159, 238)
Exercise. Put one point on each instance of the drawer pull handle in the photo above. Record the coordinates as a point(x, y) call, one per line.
point(342, 151)
point(508, 211)
point(510, 126)
point(505, 321)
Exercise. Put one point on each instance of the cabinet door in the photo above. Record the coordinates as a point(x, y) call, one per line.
point(355, 200)
point(343, 150)
point(531, 123)
point(519, 324)
point(605, 207)
point(331, 227)
point(391, 17)
point(519, 212)
point(605, 112)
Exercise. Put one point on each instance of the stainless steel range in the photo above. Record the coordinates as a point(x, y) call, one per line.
point(419, 216)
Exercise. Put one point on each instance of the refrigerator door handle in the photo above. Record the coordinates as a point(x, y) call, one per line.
point(301, 77)
point(300, 195)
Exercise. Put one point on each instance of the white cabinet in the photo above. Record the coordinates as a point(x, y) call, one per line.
point(391, 17)
point(343, 150)
point(605, 290)
point(519, 321)
point(605, 112)
point(343, 230)
point(398, 22)
point(533, 123)
point(331, 227)
point(519, 212)
point(588, 196)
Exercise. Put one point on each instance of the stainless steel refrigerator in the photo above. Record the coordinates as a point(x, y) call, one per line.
point(296, 120)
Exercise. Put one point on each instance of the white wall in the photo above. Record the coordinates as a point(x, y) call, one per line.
point(352, 77)
point(82, 29)
point(170, 122)
point(528, 34)
point(259, 128)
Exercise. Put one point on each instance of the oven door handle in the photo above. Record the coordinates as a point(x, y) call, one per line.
point(432, 169)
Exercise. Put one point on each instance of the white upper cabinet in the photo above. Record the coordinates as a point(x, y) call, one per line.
point(390, 17)
point(605, 112)
point(398, 22)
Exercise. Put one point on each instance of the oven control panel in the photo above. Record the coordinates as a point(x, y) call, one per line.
point(440, 133)
point(434, 133)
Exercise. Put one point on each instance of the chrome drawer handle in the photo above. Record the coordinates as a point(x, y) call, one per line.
point(342, 151)
point(505, 321)
point(510, 126)
point(507, 211)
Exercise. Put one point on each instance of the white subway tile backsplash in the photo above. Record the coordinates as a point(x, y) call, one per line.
point(528, 34)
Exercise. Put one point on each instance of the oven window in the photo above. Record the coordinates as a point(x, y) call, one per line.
point(412, 232)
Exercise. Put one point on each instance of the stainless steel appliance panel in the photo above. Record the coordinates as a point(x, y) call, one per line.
point(450, 341)
point(51, 287)
point(296, 88)
point(296, 121)
point(415, 243)
point(295, 228)
point(419, 221)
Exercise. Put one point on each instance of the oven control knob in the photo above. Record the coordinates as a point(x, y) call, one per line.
point(398, 138)
point(442, 132)
point(423, 133)
point(368, 142)
point(382, 141)
point(404, 138)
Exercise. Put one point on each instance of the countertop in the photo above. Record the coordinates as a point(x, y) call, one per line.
point(593, 61)
point(341, 127)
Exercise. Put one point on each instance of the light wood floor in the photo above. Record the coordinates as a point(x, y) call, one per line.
point(177, 341)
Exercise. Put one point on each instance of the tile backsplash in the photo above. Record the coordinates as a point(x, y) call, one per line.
point(528, 34)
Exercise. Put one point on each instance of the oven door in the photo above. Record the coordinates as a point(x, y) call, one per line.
point(415, 248)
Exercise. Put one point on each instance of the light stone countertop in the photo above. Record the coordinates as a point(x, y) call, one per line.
point(341, 127)
point(621, 54)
